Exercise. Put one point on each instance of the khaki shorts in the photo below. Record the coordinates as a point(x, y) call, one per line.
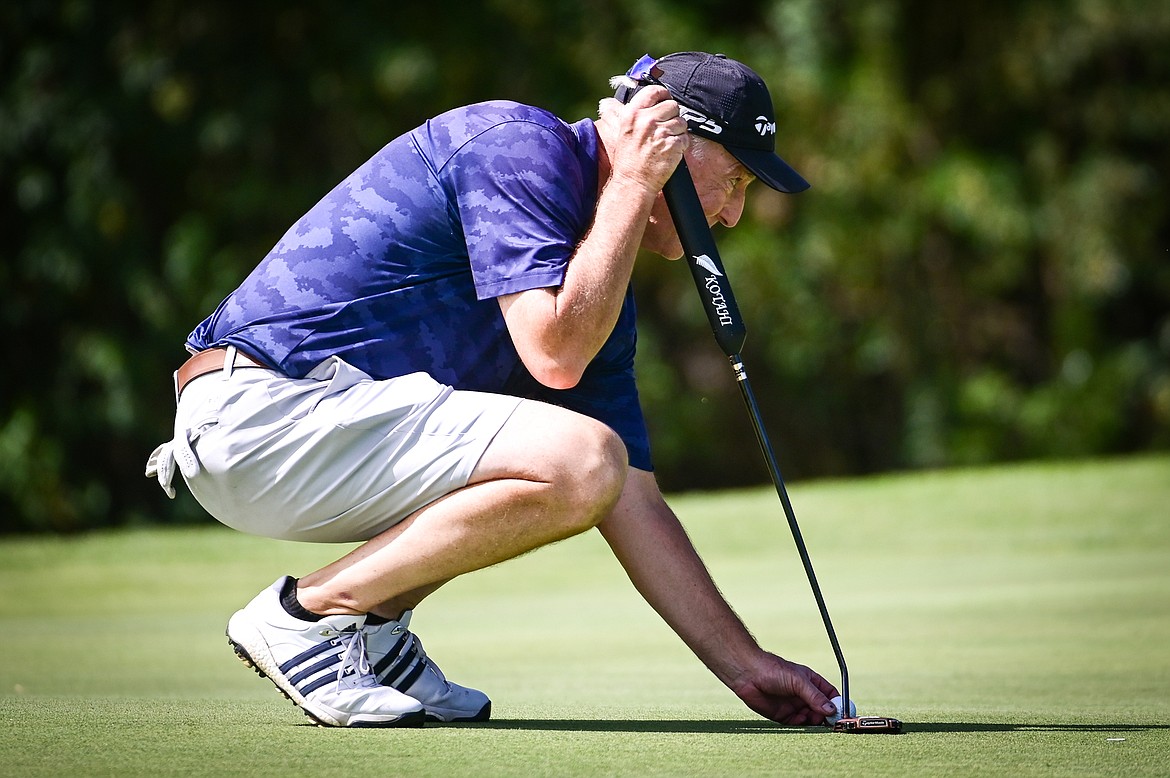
point(333, 457)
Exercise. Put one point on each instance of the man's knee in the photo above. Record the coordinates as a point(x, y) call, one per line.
point(580, 462)
point(595, 473)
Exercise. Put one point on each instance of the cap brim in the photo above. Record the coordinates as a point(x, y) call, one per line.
point(770, 169)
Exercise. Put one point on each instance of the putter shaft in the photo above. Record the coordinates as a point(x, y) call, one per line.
point(749, 399)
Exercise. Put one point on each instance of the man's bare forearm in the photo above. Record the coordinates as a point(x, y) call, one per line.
point(654, 549)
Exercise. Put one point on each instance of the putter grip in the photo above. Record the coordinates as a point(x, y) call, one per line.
point(702, 256)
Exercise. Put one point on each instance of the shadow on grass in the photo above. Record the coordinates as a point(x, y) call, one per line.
point(1034, 727)
point(627, 725)
point(765, 727)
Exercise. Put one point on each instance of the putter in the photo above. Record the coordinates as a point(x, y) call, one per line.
point(729, 330)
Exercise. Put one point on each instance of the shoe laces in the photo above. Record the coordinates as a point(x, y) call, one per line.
point(354, 660)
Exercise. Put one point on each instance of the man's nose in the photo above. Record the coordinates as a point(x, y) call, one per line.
point(732, 210)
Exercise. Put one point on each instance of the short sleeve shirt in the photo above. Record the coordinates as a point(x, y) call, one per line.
point(397, 269)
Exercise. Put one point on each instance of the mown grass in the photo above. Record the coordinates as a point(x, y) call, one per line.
point(1016, 618)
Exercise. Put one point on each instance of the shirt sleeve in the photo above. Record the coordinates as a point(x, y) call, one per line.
point(519, 194)
point(607, 390)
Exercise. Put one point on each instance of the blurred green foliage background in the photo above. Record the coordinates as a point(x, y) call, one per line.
point(980, 273)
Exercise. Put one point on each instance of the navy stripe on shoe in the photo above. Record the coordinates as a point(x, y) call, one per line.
point(325, 679)
point(392, 655)
point(410, 657)
point(411, 677)
point(309, 653)
point(309, 672)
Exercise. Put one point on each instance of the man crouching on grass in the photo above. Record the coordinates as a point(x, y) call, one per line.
point(437, 359)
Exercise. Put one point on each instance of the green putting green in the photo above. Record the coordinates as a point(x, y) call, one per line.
point(1016, 618)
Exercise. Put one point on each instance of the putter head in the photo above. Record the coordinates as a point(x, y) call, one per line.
point(869, 725)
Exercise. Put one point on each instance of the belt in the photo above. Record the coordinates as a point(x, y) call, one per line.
point(209, 361)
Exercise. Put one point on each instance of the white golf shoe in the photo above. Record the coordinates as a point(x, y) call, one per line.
point(399, 662)
point(322, 666)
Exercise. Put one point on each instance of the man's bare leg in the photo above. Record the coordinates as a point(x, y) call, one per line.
point(396, 606)
point(549, 474)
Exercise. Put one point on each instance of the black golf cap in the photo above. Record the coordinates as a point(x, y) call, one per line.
point(727, 102)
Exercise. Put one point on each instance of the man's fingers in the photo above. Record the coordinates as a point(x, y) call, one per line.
point(816, 693)
point(652, 102)
point(657, 103)
point(650, 95)
point(676, 126)
point(651, 136)
point(608, 106)
point(822, 685)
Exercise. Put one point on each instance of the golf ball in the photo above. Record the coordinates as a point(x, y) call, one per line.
point(837, 703)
